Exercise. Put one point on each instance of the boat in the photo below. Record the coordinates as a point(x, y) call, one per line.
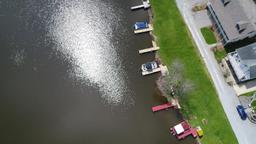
point(183, 129)
point(140, 25)
point(149, 66)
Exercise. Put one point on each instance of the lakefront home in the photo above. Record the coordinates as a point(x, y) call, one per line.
point(233, 20)
point(243, 62)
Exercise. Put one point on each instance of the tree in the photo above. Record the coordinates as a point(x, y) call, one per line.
point(174, 84)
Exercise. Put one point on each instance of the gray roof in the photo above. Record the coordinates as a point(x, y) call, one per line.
point(248, 52)
point(253, 72)
point(233, 12)
point(247, 55)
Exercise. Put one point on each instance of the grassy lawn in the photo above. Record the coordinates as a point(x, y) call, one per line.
point(249, 93)
point(208, 35)
point(203, 103)
point(220, 54)
point(254, 105)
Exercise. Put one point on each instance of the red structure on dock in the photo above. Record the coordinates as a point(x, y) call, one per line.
point(173, 104)
point(183, 130)
point(162, 107)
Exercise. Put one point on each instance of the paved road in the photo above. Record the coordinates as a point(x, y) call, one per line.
point(244, 130)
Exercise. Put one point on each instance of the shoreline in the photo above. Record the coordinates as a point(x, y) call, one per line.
point(192, 116)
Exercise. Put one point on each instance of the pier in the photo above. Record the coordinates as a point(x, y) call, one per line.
point(151, 72)
point(146, 50)
point(162, 107)
point(144, 5)
point(191, 131)
point(173, 104)
point(163, 69)
point(150, 28)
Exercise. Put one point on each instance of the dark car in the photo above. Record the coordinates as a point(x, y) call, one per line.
point(241, 112)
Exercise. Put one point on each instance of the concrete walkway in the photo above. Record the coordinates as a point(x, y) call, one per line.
point(244, 130)
point(201, 18)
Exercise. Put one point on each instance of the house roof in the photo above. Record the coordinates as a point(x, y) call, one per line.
point(233, 12)
point(247, 55)
point(248, 52)
point(253, 71)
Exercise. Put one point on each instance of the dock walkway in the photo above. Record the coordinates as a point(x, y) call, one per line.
point(146, 50)
point(173, 104)
point(150, 28)
point(145, 5)
point(162, 107)
point(151, 72)
point(191, 131)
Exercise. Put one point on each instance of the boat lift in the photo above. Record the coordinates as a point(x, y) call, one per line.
point(183, 130)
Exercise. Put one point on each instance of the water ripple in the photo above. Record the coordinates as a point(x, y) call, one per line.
point(18, 57)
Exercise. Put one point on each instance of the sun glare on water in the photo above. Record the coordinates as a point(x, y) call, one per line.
point(83, 35)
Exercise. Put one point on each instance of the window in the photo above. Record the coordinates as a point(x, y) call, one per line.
point(241, 26)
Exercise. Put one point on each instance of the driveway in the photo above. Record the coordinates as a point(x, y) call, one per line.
point(244, 130)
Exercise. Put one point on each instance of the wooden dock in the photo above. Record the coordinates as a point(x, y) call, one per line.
point(150, 28)
point(173, 104)
point(146, 50)
point(137, 7)
point(161, 68)
point(162, 107)
point(145, 5)
point(191, 131)
point(151, 72)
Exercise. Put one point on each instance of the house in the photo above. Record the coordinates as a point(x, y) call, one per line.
point(234, 20)
point(243, 62)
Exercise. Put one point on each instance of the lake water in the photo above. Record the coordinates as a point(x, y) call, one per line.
point(70, 74)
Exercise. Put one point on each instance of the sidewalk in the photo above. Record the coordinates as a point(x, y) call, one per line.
point(244, 130)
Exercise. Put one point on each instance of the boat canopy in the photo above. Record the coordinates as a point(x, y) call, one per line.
point(149, 66)
point(179, 129)
point(140, 25)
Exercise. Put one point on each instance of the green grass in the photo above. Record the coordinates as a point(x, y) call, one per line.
point(249, 94)
point(208, 35)
point(203, 103)
point(220, 54)
point(254, 105)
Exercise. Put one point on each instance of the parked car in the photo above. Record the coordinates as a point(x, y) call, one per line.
point(149, 66)
point(140, 25)
point(241, 112)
